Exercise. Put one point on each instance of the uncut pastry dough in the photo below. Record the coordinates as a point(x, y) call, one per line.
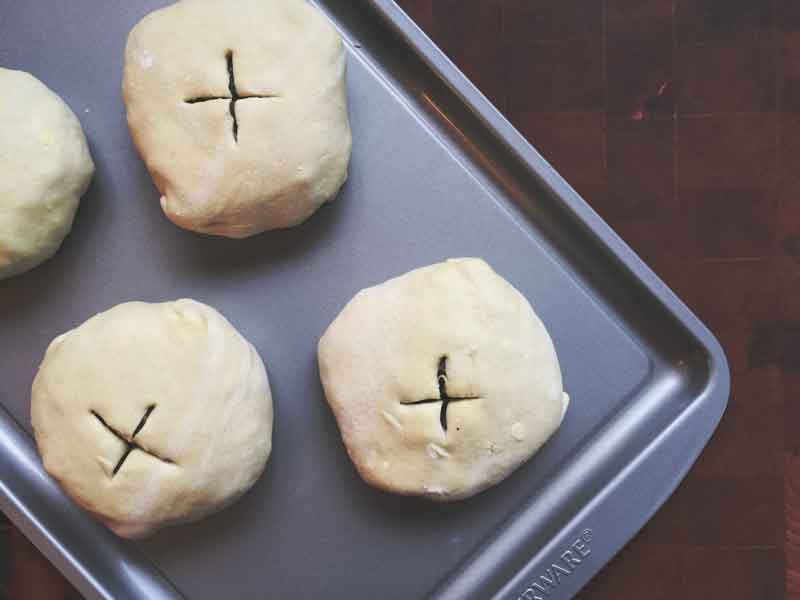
point(382, 362)
point(282, 156)
point(45, 168)
point(175, 378)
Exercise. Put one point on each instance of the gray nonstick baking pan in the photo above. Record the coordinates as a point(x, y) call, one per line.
point(437, 172)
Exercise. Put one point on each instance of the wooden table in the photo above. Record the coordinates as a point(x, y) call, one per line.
point(679, 121)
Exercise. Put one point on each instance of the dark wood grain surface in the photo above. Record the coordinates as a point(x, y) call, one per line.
point(679, 121)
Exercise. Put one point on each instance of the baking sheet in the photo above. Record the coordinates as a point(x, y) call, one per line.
point(436, 173)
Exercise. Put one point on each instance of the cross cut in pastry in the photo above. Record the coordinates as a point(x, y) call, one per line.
point(234, 97)
point(444, 398)
point(129, 442)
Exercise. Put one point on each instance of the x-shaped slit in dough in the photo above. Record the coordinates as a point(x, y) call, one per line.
point(444, 397)
point(234, 97)
point(130, 444)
